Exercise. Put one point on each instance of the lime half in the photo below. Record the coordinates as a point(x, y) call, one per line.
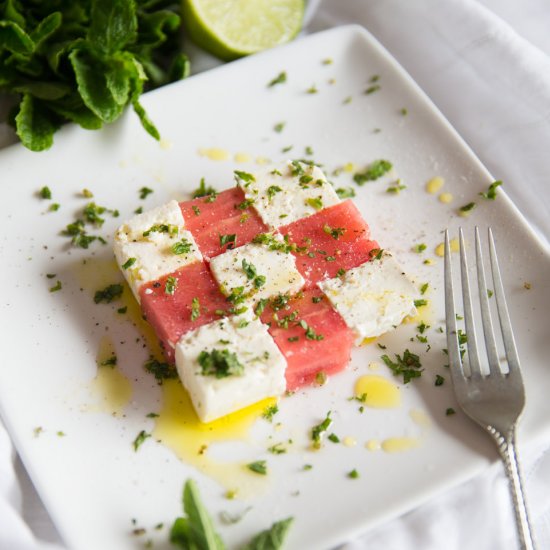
point(233, 28)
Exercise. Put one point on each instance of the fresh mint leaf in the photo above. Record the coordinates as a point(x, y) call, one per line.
point(196, 531)
point(85, 62)
point(146, 122)
point(72, 108)
point(14, 39)
point(44, 90)
point(46, 28)
point(90, 72)
point(34, 126)
point(113, 25)
point(272, 538)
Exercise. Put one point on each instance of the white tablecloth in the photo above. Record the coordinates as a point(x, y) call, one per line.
point(486, 65)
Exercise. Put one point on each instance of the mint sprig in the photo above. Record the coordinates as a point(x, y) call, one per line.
point(85, 61)
point(196, 531)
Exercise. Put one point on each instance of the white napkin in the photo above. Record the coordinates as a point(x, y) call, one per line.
point(486, 66)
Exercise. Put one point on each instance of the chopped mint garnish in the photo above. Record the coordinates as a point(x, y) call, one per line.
point(491, 193)
point(219, 363)
point(374, 171)
point(279, 79)
point(408, 366)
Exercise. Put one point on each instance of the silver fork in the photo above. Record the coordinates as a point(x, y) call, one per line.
point(495, 400)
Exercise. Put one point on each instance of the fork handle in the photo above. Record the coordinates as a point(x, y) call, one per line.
point(508, 452)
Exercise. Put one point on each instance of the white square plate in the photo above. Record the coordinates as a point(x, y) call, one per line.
point(91, 479)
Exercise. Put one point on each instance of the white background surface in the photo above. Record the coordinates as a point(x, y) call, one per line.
point(486, 65)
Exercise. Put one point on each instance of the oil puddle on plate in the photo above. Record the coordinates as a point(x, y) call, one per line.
point(178, 428)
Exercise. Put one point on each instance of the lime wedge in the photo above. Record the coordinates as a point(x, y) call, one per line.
point(234, 28)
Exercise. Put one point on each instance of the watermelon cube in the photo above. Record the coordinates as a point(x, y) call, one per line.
point(332, 240)
point(228, 214)
point(312, 336)
point(195, 299)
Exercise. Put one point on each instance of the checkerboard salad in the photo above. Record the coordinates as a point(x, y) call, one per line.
point(262, 288)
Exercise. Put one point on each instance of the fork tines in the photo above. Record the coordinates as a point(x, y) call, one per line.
point(455, 338)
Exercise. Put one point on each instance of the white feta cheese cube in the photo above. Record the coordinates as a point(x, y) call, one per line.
point(154, 244)
point(372, 298)
point(255, 271)
point(288, 193)
point(230, 364)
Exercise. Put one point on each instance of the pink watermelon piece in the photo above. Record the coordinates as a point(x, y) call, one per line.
point(332, 239)
point(171, 314)
point(324, 346)
point(208, 220)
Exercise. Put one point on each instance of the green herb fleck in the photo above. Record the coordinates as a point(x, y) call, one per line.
point(260, 306)
point(345, 192)
point(334, 232)
point(374, 171)
point(270, 412)
point(170, 285)
point(396, 188)
point(228, 240)
point(491, 193)
point(45, 193)
point(108, 294)
point(109, 362)
point(279, 127)
point(408, 365)
point(420, 303)
point(419, 248)
point(56, 287)
point(144, 192)
point(203, 190)
point(244, 176)
point(54, 207)
point(162, 228)
point(244, 204)
point(181, 247)
point(449, 411)
point(140, 439)
point(272, 190)
point(129, 263)
point(372, 89)
point(195, 309)
point(161, 371)
point(334, 438)
point(277, 449)
point(376, 253)
point(321, 378)
point(318, 430)
point(258, 467)
point(354, 474)
point(219, 363)
point(315, 202)
point(467, 207)
point(439, 380)
point(279, 79)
